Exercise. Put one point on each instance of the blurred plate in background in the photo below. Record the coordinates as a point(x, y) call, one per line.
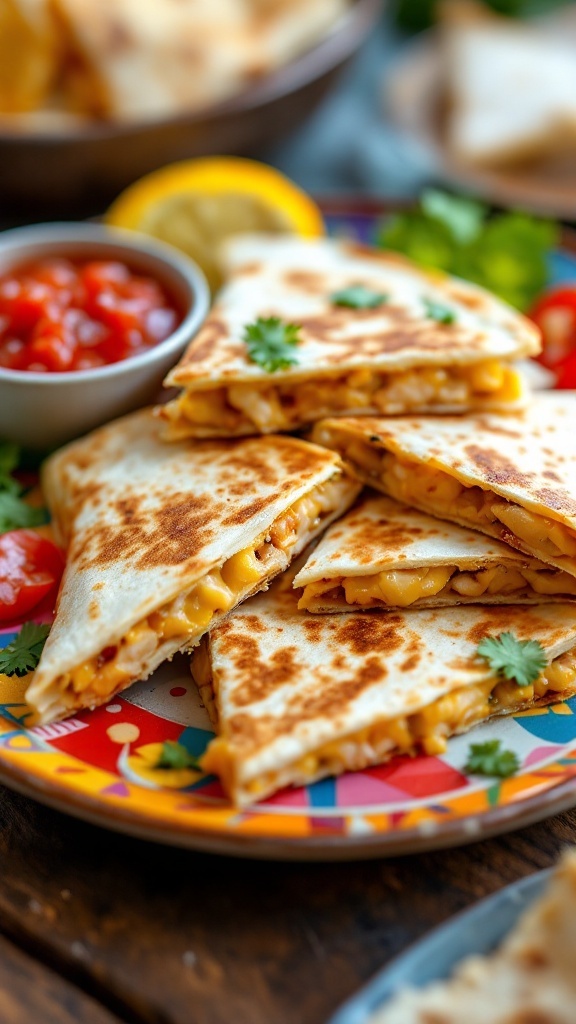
point(76, 171)
point(415, 101)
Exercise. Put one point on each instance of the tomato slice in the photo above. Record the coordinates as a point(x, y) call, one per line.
point(30, 567)
point(555, 315)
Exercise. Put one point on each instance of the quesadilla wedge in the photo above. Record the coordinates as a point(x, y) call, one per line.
point(298, 697)
point(383, 554)
point(512, 478)
point(163, 541)
point(310, 328)
point(529, 979)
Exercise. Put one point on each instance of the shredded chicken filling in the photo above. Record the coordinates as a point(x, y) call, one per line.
point(217, 592)
point(282, 407)
point(427, 729)
point(399, 588)
point(433, 490)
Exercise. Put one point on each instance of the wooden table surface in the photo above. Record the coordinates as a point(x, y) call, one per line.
point(98, 928)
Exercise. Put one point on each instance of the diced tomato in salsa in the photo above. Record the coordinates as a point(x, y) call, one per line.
point(59, 315)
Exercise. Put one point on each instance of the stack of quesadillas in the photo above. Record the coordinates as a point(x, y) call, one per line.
point(364, 648)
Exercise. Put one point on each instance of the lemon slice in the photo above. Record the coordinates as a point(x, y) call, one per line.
point(197, 204)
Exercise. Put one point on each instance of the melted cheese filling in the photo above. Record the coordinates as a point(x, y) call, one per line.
point(283, 407)
point(217, 592)
point(432, 490)
point(427, 730)
point(400, 588)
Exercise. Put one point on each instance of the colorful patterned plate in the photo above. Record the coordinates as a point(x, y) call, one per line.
point(99, 766)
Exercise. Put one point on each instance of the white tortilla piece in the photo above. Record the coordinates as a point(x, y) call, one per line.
point(149, 527)
point(530, 978)
point(383, 554)
point(513, 478)
point(393, 358)
point(296, 697)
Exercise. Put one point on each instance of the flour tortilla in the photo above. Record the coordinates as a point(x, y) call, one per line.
point(145, 522)
point(380, 535)
point(523, 468)
point(529, 978)
point(295, 280)
point(296, 697)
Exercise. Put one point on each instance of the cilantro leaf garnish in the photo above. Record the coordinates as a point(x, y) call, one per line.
point(438, 311)
point(176, 756)
point(462, 217)
point(357, 296)
point(506, 253)
point(269, 343)
point(15, 514)
point(22, 654)
point(9, 458)
point(488, 759)
point(520, 660)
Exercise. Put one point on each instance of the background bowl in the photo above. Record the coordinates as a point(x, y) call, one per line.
point(83, 169)
point(42, 410)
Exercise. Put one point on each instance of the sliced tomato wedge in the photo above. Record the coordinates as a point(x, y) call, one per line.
point(555, 315)
point(30, 567)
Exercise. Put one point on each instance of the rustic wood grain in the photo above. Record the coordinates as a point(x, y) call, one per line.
point(169, 937)
point(31, 993)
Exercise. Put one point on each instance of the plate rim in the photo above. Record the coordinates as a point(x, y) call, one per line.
point(373, 996)
point(457, 831)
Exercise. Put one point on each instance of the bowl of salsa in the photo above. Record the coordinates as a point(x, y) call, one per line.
point(91, 320)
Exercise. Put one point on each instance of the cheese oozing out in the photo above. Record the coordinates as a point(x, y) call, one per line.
point(432, 490)
point(401, 588)
point(190, 614)
point(427, 729)
point(269, 407)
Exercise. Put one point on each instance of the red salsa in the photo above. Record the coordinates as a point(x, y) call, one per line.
point(58, 315)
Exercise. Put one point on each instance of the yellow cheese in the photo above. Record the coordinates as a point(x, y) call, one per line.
point(427, 729)
point(268, 408)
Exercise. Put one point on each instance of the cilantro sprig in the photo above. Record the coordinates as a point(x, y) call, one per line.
point(270, 342)
point(22, 654)
point(506, 253)
point(358, 296)
point(489, 759)
point(438, 311)
point(520, 660)
point(15, 513)
point(176, 756)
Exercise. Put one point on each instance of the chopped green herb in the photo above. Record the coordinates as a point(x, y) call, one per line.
point(520, 660)
point(15, 514)
point(488, 759)
point(506, 253)
point(269, 343)
point(438, 311)
point(357, 296)
point(9, 458)
point(176, 756)
point(22, 654)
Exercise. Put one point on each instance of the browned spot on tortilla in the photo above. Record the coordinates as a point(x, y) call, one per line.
point(169, 535)
point(214, 331)
point(364, 634)
point(509, 619)
point(258, 677)
point(327, 699)
point(249, 269)
point(410, 662)
point(558, 499)
point(496, 468)
point(93, 610)
point(313, 628)
point(483, 423)
point(551, 475)
point(306, 281)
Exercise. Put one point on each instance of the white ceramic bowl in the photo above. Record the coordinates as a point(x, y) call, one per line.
point(43, 410)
